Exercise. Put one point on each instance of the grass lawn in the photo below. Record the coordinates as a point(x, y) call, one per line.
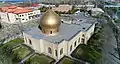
point(13, 42)
point(39, 59)
point(21, 52)
point(66, 60)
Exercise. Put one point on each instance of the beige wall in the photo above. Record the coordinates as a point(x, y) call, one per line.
point(63, 45)
point(4, 17)
point(62, 8)
point(42, 46)
point(72, 42)
point(11, 18)
point(89, 32)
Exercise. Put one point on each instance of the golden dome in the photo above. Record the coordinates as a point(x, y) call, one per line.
point(50, 20)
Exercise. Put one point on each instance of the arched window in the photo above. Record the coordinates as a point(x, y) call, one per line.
point(50, 32)
point(30, 42)
point(71, 48)
point(61, 51)
point(56, 53)
point(82, 40)
point(49, 50)
point(75, 44)
point(79, 40)
point(83, 35)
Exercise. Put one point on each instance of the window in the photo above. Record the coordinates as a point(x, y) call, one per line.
point(22, 15)
point(30, 42)
point(75, 44)
point(31, 13)
point(83, 35)
point(79, 40)
point(80, 20)
point(61, 51)
point(50, 32)
point(82, 40)
point(16, 18)
point(71, 48)
point(49, 50)
point(83, 28)
point(56, 53)
point(22, 19)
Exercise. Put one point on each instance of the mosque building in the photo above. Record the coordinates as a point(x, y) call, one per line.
point(57, 39)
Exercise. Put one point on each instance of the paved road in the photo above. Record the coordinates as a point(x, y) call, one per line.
point(109, 53)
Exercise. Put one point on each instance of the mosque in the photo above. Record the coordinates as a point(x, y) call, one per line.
point(55, 38)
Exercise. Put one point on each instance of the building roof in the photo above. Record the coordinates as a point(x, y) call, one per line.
point(62, 8)
point(78, 18)
point(66, 32)
point(96, 9)
point(15, 9)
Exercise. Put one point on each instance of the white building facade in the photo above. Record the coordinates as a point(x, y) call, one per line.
point(59, 45)
point(20, 16)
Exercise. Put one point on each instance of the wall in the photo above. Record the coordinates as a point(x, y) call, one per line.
point(89, 32)
point(4, 17)
point(72, 41)
point(52, 46)
point(42, 46)
point(63, 45)
point(12, 17)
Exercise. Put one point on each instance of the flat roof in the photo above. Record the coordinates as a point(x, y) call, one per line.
point(66, 32)
point(79, 18)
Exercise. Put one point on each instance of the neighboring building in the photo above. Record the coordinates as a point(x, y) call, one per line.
point(13, 14)
point(56, 38)
point(112, 0)
point(81, 6)
point(62, 8)
point(96, 11)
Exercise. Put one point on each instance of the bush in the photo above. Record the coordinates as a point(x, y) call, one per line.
point(7, 50)
point(92, 51)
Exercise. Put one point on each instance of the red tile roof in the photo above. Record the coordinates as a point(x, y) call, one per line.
point(35, 5)
point(15, 9)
